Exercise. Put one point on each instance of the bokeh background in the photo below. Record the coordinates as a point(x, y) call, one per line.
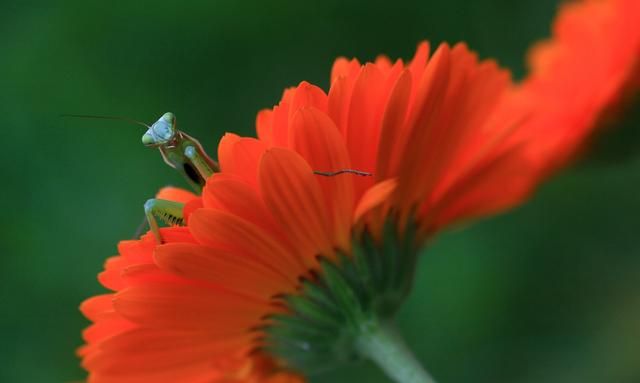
point(549, 292)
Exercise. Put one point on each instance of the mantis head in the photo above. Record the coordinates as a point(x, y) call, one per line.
point(161, 132)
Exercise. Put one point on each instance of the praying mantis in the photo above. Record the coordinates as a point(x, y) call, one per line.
point(185, 154)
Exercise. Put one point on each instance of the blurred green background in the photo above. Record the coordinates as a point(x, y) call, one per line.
point(549, 292)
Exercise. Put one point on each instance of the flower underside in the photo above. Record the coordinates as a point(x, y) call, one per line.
point(323, 322)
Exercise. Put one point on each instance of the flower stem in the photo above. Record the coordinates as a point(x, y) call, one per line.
point(381, 343)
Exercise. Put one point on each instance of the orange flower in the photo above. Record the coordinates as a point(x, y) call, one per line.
point(281, 269)
point(427, 131)
point(586, 69)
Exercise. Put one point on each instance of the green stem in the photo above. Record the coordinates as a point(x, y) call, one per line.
point(381, 343)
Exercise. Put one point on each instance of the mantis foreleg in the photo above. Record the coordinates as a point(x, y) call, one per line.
point(169, 212)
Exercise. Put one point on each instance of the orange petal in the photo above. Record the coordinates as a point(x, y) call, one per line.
point(188, 307)
point(190, 207)
point(97, 307)
point(383, 63)
point(393, 124)
point(104, 329)
point(307, 95)
point(237, 197)
point(228, 232)
point(237, 273)
point(174, 234)
point(474, 91)
point(338, 102)
point(363, 131)
point(225, 150)
point(292, 193)
point(494, 185)
point(137, 251)
point(364, 123)
point(246, 155)
point(111, 276)
point(374, 197)
point(418, 65)
point(316, 138)
point(343, 67)
point(264, 126)
point(175, 194)
point(287, 95)
point(192, 373)
point(431, 95)
point(284, 377)
point(281, 124)
point(150, 355)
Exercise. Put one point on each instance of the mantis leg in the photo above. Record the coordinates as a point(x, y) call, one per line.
point(169, 212)
point(198, 161)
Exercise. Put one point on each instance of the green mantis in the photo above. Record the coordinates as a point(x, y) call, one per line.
point(180, 151)
point(185, 154)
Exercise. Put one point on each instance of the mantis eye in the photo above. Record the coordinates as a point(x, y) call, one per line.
point(161, 132)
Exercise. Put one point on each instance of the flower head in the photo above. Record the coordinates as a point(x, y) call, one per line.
point(429, 133)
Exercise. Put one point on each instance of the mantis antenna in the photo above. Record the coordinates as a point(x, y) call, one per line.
point(96, 117)
point(343, 171)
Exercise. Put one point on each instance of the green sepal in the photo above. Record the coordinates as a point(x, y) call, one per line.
point(323, 321)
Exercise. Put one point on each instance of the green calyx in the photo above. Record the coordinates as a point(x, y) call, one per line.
point(326, 321)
